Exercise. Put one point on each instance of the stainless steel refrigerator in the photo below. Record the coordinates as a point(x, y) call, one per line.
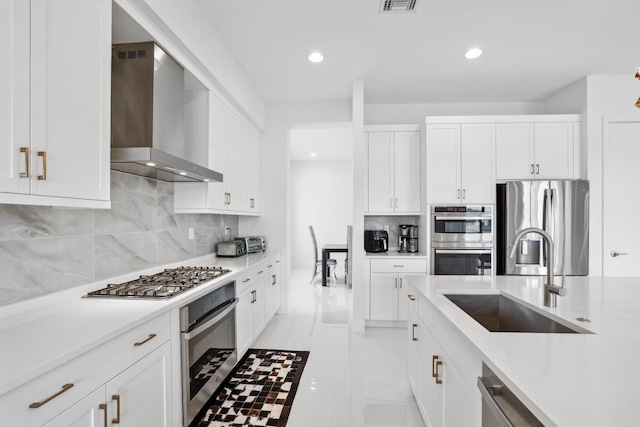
point(561, 208)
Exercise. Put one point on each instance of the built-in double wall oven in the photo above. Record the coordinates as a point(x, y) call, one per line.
point(462, 240)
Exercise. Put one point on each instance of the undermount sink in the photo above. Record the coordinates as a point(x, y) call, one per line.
point(498, 313)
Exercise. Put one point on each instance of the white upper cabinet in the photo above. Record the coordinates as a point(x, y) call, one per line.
point(460, 163)
point(227, 146)
point(55, 103)
point(394, 172)
point(536, 150)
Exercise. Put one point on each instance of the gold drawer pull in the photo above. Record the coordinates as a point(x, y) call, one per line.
point(103, 406)
point(413, 332)
point(261, 271)
point(42, 402)
point(411, 297)
point(149, 338)
point(116, 420)
point(25, 150)
point(274, 280)
point(433, 366)
point(270, 265)
point(245, 280)
point(43, 154)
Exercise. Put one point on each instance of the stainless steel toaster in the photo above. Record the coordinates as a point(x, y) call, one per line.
point(233, 248)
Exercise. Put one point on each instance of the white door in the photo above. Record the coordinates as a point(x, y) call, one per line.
point(384, 296)
point(443, 163)
point(477, 164)
point(14, 95)
point(380, 162)
point(407, 172)
point(621, 174)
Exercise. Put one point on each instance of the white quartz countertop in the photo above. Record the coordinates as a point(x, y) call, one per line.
point(564, 379)
point(41, 334)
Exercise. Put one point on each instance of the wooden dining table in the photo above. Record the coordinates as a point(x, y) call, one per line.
point(327, 250)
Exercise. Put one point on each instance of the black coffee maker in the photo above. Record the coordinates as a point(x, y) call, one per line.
point(408, 238)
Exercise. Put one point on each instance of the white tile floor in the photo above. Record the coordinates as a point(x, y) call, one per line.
point(351, 379)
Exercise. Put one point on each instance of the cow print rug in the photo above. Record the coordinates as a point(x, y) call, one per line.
point(259, 391)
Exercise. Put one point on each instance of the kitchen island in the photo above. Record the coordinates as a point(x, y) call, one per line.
point(586, 379)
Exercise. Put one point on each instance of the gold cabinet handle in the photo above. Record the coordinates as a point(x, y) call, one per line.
point(270, 265)
point(116, 397)
point(25, 174)
point(395, 281)
point(43, 154)
point(50, 398)
point(254, 297)
point(396, 206)
point(227, 198)
point(413, 332)
point(274, 280)
point(149, 338)
point(400, 283)
point(103, 406)
point(261, 271)
point(245, 280)
point(433, 365)
point(277, 261)
point(532, 169)
point(411, 297)
point(458, 196)
point(438, 364)
point(252, 203)
point(464, 193)
point(537, 169)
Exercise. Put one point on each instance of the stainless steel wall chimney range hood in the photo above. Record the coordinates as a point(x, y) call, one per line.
point(147, 116)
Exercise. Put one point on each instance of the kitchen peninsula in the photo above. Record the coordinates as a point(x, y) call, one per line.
point(584, 379)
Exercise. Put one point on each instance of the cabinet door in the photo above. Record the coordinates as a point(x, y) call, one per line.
point(88, 412)
point(272, 294)
point(250, 177)
point(430, 393)
point(407, 172)
point(257, 309)
point(384, 296)
point(141, 395)
point(243, 322)
point(413, 352)
point(380, 172)
point(514, 151)
point(70, 98)
point(217, 152)
point(234, 164)
point(403, 288)
point(477, 163)
point(14, 95)
point(457, 409)
point(443, 154)
point(553, 150)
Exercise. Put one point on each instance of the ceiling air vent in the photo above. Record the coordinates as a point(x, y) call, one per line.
point(398, 6)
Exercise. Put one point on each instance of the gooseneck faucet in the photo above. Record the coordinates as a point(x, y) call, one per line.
point(551, 291)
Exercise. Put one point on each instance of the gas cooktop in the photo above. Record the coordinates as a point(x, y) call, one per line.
point(165, 284)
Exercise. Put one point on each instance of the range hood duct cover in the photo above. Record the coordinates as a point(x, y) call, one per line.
point(147, 116)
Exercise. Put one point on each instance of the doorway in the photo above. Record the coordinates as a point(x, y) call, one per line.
point(321, 190)
point(621, 204)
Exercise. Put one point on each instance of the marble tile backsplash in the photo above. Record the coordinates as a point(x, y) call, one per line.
point(48, 249)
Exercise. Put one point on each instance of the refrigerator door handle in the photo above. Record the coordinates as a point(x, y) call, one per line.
point(547, 219)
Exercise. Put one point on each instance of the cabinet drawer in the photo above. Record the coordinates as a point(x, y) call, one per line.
point(85, 374)
point(399, 265)
point(247, 279)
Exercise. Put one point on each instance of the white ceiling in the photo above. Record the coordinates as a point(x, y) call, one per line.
point(531, 49)
point(329, 144)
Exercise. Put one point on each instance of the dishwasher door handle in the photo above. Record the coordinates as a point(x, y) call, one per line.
point(487, 390)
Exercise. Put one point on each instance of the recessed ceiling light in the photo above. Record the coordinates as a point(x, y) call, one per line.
point(183, 173)
point(206, 180)
point(473, 53)
point(316, 57)
point(150, 164)
point(312, 154)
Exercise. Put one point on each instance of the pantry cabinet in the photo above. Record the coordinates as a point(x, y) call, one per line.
point(393, 172)
point(227, 146)
point(55, 106)
point(460, 163)
point(536, 150)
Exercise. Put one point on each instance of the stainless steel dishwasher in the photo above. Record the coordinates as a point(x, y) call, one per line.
point(500, 407)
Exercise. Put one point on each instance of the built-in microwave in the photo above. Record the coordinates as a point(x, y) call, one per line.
point(462, 224)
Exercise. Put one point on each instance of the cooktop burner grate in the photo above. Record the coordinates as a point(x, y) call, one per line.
point(170, 282)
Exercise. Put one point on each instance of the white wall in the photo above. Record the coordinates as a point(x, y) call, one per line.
point(321, 196)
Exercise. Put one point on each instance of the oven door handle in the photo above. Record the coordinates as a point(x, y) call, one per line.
point(462, 218)
point(462, 251)
point(201, 328)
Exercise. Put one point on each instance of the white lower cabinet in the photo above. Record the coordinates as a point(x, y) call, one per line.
point(442, 370)
point(135, 366)
point(388, 289)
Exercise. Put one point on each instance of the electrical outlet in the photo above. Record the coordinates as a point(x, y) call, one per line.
point(227, 232)
point(386, 228)
point(192, 234)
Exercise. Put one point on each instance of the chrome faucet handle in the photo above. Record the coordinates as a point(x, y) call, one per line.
point(558, 290)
